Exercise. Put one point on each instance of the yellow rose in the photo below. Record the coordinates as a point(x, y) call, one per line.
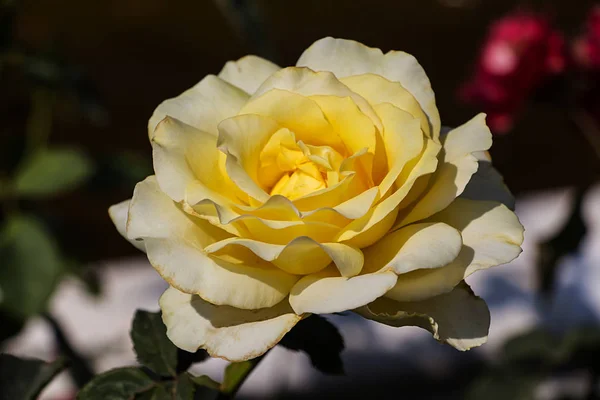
point(320, 188)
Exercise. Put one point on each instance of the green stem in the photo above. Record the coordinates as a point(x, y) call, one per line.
point(235, 376)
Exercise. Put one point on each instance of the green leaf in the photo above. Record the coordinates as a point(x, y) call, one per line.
point(117, 384)
point(24, 379)
point(320, 340)
point(151, 344)
point(31, 266)
point(236, 373)
point(205, 380)
point(52, 171)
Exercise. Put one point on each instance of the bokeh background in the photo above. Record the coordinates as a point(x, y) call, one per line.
point(84, 77)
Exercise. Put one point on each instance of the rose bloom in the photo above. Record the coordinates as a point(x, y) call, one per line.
point(521, 51)
point(586, 48)
point(320, 188)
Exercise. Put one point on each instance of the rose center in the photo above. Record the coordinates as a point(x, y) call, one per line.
point(293, 169)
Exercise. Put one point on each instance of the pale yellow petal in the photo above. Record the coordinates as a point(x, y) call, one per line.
point(301, 256)
point(458, 318)
point(403, 140)
point(183, 154)
point(242, 139)
point(327, 292)
point(354, 128)
point(225, 332)
point(203, 106)
point(378, 90)
point(415, 247)
point(118, 214)
point(175, 241)
point(367, 230)
point(347, 58)
point(298, 113)
point(307, 82)
point(492, 235)
point(457, 165)
point(248, 73)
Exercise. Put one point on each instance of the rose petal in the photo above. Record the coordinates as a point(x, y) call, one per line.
point(458, 318)
point(347, 58)
point(248, 73)
point(378, 90)
point(328, 292)
point(367, 230)
point(415, 247)
point(203, 106)
point(491, 234)
point(118, 214)
point(225, 332)
point(175, 242)
point(457, 165)
point(403, 140)
point(301, 256)
point(307, 82)
point(183, 154)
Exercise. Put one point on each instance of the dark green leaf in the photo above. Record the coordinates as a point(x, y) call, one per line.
point(321, 340)
point(117, 384)
point(52, 171)
point(184, 388)
point(150, 342)
point(24, 379)
point(31, 266)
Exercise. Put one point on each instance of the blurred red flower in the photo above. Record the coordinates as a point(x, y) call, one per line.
point(521, 51)
point(586, 48)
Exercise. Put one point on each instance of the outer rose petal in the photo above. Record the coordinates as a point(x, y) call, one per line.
point(225, 332)
point(487, 184)
point(457, 166)
point(458, 318)
point(347, 57)
point(183, 154)
point(118, 214)
point(492, 236)
point(248, 73)
point(203, 106)
point(327, 292)
point(175, 242)
point(418, 246)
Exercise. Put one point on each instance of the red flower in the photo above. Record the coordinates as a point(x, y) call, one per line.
point(521, 51)
point(586, 48)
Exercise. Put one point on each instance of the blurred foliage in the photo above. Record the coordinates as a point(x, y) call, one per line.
point(538, 355)
point(163, 374)
point(24, 379)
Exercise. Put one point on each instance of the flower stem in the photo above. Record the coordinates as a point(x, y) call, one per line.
point(235, 376)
